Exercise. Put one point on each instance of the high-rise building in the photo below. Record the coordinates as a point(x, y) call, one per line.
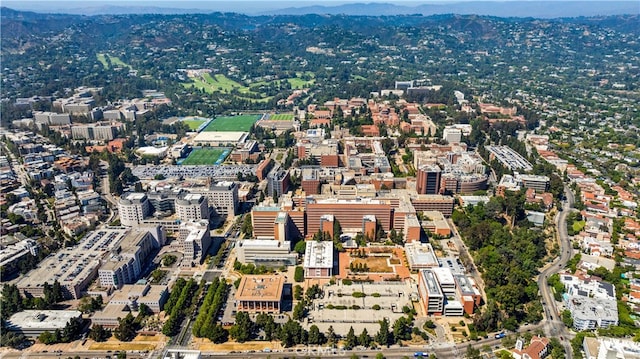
point(223, 198)
point(277, 182)
point(428, 179)
point(133, 208)
point(192, 207)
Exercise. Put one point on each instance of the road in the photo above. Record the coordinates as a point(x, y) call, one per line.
point(553, 325)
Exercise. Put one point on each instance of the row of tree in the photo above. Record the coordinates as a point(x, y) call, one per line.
point(205, 325)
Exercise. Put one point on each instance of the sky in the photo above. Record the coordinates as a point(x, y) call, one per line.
point(243, 6)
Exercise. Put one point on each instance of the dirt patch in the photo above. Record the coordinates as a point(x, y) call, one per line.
point(121, 346)
point(375, 264)
point(206, 345)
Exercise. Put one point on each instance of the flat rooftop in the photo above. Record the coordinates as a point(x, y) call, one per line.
point(318, 255)
point(42, 319)
point(260, 287)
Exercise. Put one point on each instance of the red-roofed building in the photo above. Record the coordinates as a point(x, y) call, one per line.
point(537, 349)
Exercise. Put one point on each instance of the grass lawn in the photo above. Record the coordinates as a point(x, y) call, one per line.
point(193, 124)
point(232, 123)
point(578, 226)
point(298, 83)
point(206, 156)
point(281, 117)
point(115, 61)
point(102, 58)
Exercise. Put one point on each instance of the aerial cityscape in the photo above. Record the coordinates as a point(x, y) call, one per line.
point(311, 180)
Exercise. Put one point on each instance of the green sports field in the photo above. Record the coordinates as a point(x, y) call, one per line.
point(281, 117)
point(206, 156)
point(193, 124)
point(232, 123)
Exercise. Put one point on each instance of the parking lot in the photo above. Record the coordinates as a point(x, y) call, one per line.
point(219, 172)
point(384, 300)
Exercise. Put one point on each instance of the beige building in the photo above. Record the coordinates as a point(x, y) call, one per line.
point(260, 293)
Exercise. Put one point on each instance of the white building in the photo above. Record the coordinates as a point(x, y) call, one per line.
point(196, 240)
point(224, 198)
point(32, 323)
point(192, 207)
point(133, 208)
point(452, 135)
point(267, 252)
point(318, 259)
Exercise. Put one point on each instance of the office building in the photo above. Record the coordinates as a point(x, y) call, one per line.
point(133, 209)
point(192, 207)
point(32, 323)
point(277, 182)
point(267, 252)
point(420, 256)
point(260, 293)
point(196, 240)
point(318, 259)
point(127, 259)
point(452, 135)
point(430, 292)
point(428, 178)
point(349, 212)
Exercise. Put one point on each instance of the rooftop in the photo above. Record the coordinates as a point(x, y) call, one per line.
point(42, 319)
point(260, 287)
point(318, 255)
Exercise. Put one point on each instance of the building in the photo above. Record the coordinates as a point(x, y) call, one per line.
point(452, 135)
point(133, 209)
point(94, 131)
point(277, 182)
point(12, 255)
point(592, 303)
point(127, 259)
point(434, 222)
point(318, 259)
point(196, 240)
point(267, 252)
point(443, 204)
point(538, 349)
point(605, 348)
point(420, 255)
point(263, 219)
point(428, 178)
point(509, 158)
point(260, 293)
point(192, 207)
point(32, 323)
point(129, 298)
point(223, 198)
point(430, 292)
point(349, 212)
point(73, 267)
point(537, 183)
point(310, 182)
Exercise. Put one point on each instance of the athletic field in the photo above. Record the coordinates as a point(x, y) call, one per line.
point(194, 124)
point(281, 117)
point(206, 156)
point(240, 123)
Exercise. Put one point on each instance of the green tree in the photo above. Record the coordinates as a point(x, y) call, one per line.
point(98, 333)
point(364, 338)
point(472, 353)
point(350, 341)
point(125, 331)
point(332, 338)
point(300, 247)
point(315, 335)
point(383, 336)
point(299, 311)
point(242, 330)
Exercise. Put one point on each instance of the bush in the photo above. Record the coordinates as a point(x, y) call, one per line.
point(376, 295)
point(347, 282)
point(358, 295)
point(375, 307)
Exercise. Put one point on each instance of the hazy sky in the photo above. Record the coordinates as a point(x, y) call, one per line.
point(245, 6)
